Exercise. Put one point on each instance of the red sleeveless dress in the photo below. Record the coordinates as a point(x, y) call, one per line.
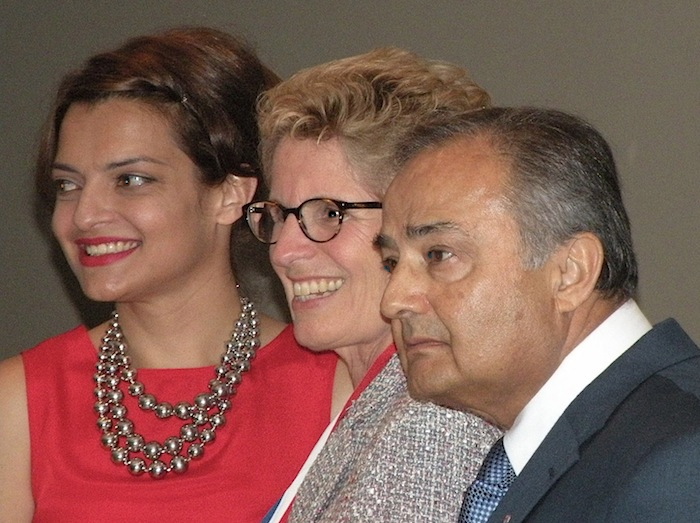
point(279, 411)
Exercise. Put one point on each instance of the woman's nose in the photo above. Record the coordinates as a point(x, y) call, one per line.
point(291, 243)
point(93, 206)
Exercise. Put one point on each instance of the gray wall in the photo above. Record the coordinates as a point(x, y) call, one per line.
point(630, 67)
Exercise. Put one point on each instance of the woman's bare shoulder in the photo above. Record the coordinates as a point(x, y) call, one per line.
point(16, 503)
point(12, 380)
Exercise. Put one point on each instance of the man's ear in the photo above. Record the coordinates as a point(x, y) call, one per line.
point(579, 262)
point(236, 191)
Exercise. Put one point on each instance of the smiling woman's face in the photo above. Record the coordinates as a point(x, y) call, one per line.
point(131, 215)
point(333, 288)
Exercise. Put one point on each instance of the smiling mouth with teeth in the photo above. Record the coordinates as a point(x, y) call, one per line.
point(109, 248)
point(316, 288)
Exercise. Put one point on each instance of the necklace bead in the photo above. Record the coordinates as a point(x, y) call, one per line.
point(201, 418)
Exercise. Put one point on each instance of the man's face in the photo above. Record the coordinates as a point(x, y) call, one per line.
point(475, 330)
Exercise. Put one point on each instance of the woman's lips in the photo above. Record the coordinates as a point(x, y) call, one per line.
point(101, 251)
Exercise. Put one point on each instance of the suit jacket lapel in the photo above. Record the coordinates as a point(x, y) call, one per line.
point(555, 456)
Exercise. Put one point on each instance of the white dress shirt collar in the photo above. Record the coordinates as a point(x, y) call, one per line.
point(580, 367)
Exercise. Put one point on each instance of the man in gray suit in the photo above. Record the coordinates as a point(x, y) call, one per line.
point(512, 297)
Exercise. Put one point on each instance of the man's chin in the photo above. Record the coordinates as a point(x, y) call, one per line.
point(426, 392)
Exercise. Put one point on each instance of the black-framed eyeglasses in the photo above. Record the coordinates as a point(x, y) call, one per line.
point(319, 218)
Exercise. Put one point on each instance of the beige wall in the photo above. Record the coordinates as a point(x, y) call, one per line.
point(630, 67)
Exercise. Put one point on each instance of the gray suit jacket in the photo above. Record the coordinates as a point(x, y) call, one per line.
point(627, 448)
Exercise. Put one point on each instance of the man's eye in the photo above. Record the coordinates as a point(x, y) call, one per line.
point(132, 180)
point(438, 255)
point(389, 265)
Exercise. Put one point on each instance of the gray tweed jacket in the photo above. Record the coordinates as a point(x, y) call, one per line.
point(394, 459)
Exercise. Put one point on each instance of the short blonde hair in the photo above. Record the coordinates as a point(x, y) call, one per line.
point(370, 102)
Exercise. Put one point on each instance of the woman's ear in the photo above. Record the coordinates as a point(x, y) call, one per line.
point(236, 191)
point(579, 262)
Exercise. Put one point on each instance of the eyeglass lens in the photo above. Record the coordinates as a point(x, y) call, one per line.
point(320, 219)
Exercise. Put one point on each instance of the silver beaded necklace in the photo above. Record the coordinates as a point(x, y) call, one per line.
point(201, 418)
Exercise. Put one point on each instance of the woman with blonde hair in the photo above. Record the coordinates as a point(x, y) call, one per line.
point(328, 135)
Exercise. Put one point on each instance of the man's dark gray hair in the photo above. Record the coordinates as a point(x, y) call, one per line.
point(563, 181)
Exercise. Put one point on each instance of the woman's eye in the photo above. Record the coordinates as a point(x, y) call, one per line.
point(438, 255)
point(132, 180)
point(65, 186)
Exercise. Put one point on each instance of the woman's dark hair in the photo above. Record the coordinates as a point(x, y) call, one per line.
point(205, 82)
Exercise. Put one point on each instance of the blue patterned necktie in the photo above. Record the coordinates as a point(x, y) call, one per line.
point(491, 483)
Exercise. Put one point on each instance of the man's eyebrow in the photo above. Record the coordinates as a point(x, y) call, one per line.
point(417, 231)
point(383, 242)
